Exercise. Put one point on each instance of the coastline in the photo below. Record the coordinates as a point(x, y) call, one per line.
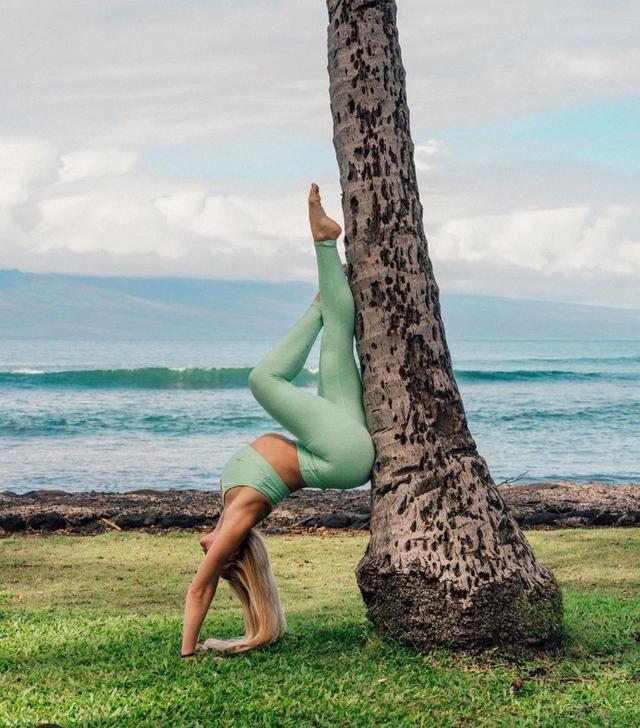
point(560, 504)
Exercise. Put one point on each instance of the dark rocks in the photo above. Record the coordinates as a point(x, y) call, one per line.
point(137, 520)
point(48, 521)
point(151, 518)
point(538, 505)
point(336, 520)
point(543, 517)
point(607, 519)
point(361, 521)
point(573, 505)
point(80, 520)
point(309, 522)
point(12, 522)
point(178, 520)
point(128, 521)
point(588, 515)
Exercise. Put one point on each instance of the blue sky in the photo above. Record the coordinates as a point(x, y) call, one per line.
point(605, 134)
point(144, 138)
point(260, 156)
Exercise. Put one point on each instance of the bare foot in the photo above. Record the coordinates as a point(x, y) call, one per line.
point(322, 226)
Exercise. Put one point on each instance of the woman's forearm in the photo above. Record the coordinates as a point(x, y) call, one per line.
point(195, 610)
point(238, 521)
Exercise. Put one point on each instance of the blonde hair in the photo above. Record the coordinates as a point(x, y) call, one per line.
point(251, 579)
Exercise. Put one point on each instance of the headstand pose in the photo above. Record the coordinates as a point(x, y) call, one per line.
point(332, 449)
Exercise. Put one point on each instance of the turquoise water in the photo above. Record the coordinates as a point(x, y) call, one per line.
point(119, 416)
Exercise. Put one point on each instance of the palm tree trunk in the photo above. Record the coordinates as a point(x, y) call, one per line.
point(447, 564)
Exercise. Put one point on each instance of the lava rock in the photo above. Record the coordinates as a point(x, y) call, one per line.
point(152, 517)
point(562, 504)
point(48, 521)
point(539, 519)
point(126, 521)
point(336, 520)
point(308, 522)
point(588, 514)
point(12, 522)
point(607, 519)
point(361, 521)
point(178, 520)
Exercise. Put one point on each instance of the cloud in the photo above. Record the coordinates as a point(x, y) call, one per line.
point(584, 66)
point(93, 202)
point(24, 162)
point(27, 167)
point(426, 154)
point(563, 240)
point(99, 104)
point(145, 73)
point(83, 163)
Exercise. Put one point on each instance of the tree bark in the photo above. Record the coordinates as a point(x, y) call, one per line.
point(447, 565)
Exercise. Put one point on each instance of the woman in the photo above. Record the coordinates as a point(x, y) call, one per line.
point(332, 449)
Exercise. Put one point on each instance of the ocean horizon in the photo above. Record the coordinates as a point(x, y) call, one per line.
point(124, 415)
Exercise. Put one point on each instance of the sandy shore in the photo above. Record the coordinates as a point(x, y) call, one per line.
point(561, 504)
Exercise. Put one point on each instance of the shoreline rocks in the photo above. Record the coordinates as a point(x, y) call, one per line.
point(561, 504)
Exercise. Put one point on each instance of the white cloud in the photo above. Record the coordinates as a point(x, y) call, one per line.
point(23, 163)
point(584, 66)
point(426, 154)
point(145, 73)
point(563, 240)
point(26, 167)
point(88, 96)
point(259, 221)
point(128, 213)
point(83, 163)
point(180, 208)
point(106, 205)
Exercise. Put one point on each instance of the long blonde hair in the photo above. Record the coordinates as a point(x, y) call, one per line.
point(251, 579)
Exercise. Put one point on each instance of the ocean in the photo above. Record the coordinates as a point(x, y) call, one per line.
point(119, 416)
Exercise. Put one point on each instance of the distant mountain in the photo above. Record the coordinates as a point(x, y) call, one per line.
point(61, 306)
point(493, 318)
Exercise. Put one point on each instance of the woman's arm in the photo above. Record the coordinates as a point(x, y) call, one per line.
point(238, 520)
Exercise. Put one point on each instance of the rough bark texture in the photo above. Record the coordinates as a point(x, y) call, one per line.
point(447, 563)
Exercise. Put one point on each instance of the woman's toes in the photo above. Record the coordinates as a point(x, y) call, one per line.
point(322, 226)
point(314, 194)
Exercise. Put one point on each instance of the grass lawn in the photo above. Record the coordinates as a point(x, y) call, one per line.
point(90, 630)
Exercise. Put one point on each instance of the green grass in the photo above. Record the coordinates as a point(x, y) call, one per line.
point(90, 628)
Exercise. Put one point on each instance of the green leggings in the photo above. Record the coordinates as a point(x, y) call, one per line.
point(333, 444)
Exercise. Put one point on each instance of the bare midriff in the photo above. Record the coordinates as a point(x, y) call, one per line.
point(280, 452)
